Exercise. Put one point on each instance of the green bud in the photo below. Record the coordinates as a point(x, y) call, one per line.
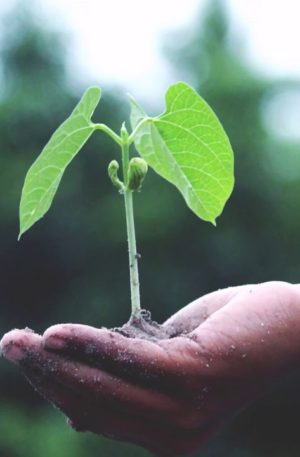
point(136, 173)
point(113, 169)
point(124, 133)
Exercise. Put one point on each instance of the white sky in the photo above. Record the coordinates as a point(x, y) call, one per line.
point(120, 41)
point(271, 34)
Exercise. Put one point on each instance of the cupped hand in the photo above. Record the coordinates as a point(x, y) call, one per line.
point(167, 395)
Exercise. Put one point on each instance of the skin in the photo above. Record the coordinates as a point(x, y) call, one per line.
point(169, 395)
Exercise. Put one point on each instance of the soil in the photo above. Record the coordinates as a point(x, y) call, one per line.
point(142, 326)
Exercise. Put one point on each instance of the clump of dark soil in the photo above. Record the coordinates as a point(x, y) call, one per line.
point(142, 326)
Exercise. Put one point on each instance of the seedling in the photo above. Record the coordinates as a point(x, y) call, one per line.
point(186, 145)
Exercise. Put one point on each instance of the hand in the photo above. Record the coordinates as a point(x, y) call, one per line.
point(167, 395)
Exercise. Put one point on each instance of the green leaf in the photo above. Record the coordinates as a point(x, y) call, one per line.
point(43, 177)
point(188, 146)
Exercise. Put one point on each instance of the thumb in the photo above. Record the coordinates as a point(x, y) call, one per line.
point(191, 316)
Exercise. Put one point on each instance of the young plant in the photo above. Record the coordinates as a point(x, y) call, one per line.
point(186, 145)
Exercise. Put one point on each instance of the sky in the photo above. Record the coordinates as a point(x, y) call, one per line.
point(271, 34)
point(265, 32)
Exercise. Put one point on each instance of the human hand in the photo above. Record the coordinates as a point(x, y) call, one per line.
point(167, 395)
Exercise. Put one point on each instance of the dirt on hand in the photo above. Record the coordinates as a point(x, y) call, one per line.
point(142, 326)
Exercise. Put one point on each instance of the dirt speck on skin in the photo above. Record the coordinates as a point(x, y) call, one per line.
point(142, 326)
point(28, 330)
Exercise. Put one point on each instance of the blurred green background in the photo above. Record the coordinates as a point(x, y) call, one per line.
point(72, 266)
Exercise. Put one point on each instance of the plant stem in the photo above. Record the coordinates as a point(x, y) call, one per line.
point(133, 255)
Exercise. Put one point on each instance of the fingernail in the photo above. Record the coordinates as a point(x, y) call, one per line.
point(55, 337)
point(54, 342)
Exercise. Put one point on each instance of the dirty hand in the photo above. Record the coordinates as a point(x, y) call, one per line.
point(167, 395)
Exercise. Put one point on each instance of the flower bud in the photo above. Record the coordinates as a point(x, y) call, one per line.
point(136, 173)
point(113, 169)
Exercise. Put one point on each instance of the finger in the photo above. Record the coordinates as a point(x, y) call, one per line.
point(27, 350)
point(192, 315)
point(14, 344)
point(166, 363)
point(89, 413)
point(94, 416)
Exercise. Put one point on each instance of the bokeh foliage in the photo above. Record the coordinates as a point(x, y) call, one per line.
point(73, 265)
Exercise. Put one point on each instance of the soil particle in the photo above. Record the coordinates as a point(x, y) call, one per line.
point(142, 326)
point(28, 330)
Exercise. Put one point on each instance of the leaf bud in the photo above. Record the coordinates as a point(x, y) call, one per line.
point(136, 173)
point(113, 169)
point(124, 133)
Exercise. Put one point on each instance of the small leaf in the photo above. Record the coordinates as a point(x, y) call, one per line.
point(43, 177)
point(188, 146)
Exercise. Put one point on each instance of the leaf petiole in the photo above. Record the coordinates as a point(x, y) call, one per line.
point(109, 132)
point(141, 124)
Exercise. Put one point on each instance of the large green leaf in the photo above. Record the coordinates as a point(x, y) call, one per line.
point(43, 177)
point(188, 146)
